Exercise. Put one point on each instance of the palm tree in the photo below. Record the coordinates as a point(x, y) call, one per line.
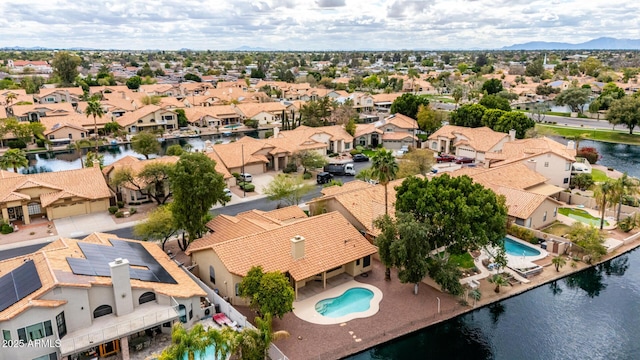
point(412, 74)
point(222, 340)
point(604, 193)
point(10, 98)
point(94, 108)
point(267, 335)
point(498, 280)
point(13, 158)
point(77, 146)
point(385, 168)
point(476, 294)
point(185, 342)
point(559, 261)
point(625, 186)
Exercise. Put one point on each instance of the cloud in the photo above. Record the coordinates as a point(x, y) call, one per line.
point(330, 3)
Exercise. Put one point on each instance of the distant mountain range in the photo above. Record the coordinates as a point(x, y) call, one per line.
point(603, 43)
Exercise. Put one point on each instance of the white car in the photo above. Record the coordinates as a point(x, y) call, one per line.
point(246, 177)
point(227, 192)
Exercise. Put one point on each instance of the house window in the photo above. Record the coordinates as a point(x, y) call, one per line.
point(139, 122)
point(565, 181)
point(6, 334)
point(190, 311)
point(167, 117)
point(555, 211)
point(70, 136)
point(357, 262)
point(82, 135)
point(347, 146)
point(366, 261)
point(182, 310)
point(52, 356)
point(51, 137)
point(35, 331)
point(102, 310)
point(212, 275)
point(34, 208)
point(50, 99)
point(546, 164)
point(238, 289)
point(567, 166)
point(146, 297)
point(544, 217)
point(434, 146)
point(61, 324)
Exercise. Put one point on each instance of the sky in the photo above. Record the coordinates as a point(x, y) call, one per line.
point(311, 24)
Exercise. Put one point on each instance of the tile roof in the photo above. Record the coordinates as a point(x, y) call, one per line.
point(86, 183)
point(250, 110)
point(364, 129)
point(396, 135)
point(132, 117)
point(481, 139)
point(231, 154)
point(272, 248)
point(523, 149)
point(54, 271)
point(516, 175)
point(136, 166)
point(401, 121)
point(77, 91)
point(48, 109)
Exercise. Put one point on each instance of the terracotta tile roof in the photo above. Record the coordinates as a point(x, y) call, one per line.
point(272, 248)
point(516, 175)
point(231, 154)
point(481, 139)
point(523, 149)
point(520, 203)
point(156, 88)
point(54, 271)
point(136, 166)
point(220, 168)
point(287, 213)
point(378, 98)
point(86, 183)
point(171, 102)
point(77, 91)
point(249, 110)
point(397, 136)
point(401, 121)
point(132, 117)
point(49, 109)
point(349, 186)
point(337, 132)
point(364, 129)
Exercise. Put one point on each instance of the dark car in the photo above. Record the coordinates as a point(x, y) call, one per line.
point(360, 158)
point(464, 160)
point(444, 158)
point(324, 178)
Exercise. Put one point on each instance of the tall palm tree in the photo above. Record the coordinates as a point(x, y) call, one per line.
point(77, 146)
point(14, 158)
point(94, 108)
point(625, 186)
point(186, 342)
point(223, 341)
point(385, 168)
point(604, 193)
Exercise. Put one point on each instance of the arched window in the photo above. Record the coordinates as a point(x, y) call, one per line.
point(146, 297)
point(212, 274)
point(102, 310)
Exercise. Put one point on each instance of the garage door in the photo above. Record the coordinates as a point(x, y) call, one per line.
point(254, 169)
point(99, 205)
point(63, 211)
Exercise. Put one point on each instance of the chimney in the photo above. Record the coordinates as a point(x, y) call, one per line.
point(121, 280)
point(96, 163)
point(571, 145)
point(297, 247)
point(276, 131)
point(512, 135)
point(531, 164)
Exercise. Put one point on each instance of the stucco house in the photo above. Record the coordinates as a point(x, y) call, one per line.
point(392, 132)
point(137, 192)
point(93, 297)
point(59, 95)
point(148, 118)
point(307, 250)
point(35, 112)
point(265, 113)
point(468, 142)
point(53, 195)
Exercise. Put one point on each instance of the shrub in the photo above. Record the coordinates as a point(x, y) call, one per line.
point(291, 167)
point(589, 153)
point(6, 229)
point(16, 144)
point(248, 187)
point(133, 210)
point(355, 152)
point(236, 175)
point(522, 233)
point(268, 134)
point(40, 143)
point(120, 204)
point(113, 209)
point(306, 176)
point(119, 214)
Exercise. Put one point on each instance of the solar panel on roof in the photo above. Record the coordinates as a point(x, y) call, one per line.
point(98, 257)
point(19, 283)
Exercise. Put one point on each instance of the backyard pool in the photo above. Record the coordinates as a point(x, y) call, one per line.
point(516, 248)
point(581, 215)
point(354, 300)
point(209, 353)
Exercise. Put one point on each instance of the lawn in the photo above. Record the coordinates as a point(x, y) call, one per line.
point(557, 229)
point(581, 215)
point(613, 136)
point(369, 153)
point(598, 175)
point(464, 261)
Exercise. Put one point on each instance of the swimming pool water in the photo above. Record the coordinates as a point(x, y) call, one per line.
point(351, 301)
point(515, 248)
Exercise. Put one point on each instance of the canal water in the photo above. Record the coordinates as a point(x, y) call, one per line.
point(594, 314)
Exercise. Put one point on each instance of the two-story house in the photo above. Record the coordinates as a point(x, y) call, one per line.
point(148, 118)
point(392, 132)
point(59, 95)
point(474, 143)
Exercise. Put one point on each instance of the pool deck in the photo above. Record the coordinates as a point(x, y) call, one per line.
point(306, 309)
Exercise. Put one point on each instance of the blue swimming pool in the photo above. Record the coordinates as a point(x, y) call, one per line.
point(515, 248)
point(351, 301)
point(209, 353)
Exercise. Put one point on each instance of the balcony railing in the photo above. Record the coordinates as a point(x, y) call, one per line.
point(111, 329)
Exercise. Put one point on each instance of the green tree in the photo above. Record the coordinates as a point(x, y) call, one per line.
point(145, 71)
point(150, 100)
point(408, 104)
point(111, 127)
point(411, 250)
point(604, 194)
point(254, 343)
point(415, 162)
point(445, 273)
point(457, 94)
point(310, 159)
point(14, 158)
point(186, 343)
point(182, 118)
point(192, 77)
point(625, 186)
point(558, 261)
point(588, 238)
point(625, 111)
point(495, 102)
point(429, 120)
point(534, 69)
point(468, 115)
point(384, 241)
point(196, 188)
point(65, 67)
point(134, 82)
point(492, 86)
point(476, 295)
point(582, 181)
point(145, 143)
point(159, 225)
point(94, 109)
point(499, 281)
point(514, 120)
point(574, 98)
point(350, 127)
point(385, 168)
point(269, 293)
point(591, 66)
point(174, 150)
point(94, 157)
point(491, 117)
point(289, 188)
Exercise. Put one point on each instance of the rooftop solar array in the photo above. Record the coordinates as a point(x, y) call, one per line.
point(98, 257)
point(19, 283)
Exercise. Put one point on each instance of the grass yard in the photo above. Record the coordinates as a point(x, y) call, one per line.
point(613, 136)
point(598, 175)
point(582, 216)
point(557, 229)
point(369, 153)
point(464, 261)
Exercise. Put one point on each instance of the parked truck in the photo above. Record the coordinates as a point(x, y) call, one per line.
point(340, 169)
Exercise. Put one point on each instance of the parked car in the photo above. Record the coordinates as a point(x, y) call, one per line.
point(445, 158)
point(324, 177)
point(464, 160)
point(340, 169)
point(360, 157)
point(227, 192)
point(246, 177)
